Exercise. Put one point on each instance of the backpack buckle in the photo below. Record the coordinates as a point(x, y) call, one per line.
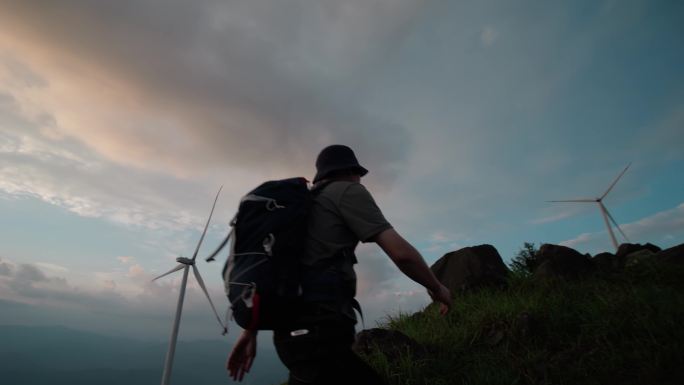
point(247, 295)
point(268, 243)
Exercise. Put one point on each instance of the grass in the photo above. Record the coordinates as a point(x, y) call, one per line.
point(621, 329)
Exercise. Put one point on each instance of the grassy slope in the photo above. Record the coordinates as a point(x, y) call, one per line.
point(625, 329)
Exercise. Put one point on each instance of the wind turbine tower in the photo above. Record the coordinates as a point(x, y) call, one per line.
point(604, 211)
point(185, 264)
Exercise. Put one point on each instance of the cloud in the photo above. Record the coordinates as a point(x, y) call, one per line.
point(406, 293)
point(65, 174)
point(29, 273)
point(382, 289)
point(125, 259)
point(401, 296)
point(110, 284)
point(553, 218)
point(103, 304)
point(51, 267)
point(246, 87)
point(20, 75)
point(136, 271)
point(580, 240)
point(122, 113)
point(6, 269)
point(439, 236)
point(442, 241)
point(374, 270)
point(488, 35)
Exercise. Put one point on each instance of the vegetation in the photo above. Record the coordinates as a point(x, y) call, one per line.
point(525, 261)
point(622, 329)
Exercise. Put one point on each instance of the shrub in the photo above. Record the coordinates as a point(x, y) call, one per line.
point(525, 261)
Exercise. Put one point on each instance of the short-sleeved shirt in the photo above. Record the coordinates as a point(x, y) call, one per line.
point(343, 214)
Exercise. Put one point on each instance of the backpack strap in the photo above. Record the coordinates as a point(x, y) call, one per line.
point(357, 306)
point(323, 283)
point(231, 234)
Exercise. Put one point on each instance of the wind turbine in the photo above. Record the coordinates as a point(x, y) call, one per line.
point(604, 211)
point(185, 264)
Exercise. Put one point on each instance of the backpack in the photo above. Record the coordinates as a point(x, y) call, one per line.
point(263, 277)
point(262, 274)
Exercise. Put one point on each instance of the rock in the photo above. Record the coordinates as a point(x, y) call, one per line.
point(558, 261)
point(391, 343)
point(638, 257)
point(626, 249)
point(607, 262)
point(471, 268)
point(672, 255)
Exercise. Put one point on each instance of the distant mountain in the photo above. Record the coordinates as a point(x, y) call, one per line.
point(62, 356)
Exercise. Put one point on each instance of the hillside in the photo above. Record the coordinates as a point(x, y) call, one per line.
point(604, 328)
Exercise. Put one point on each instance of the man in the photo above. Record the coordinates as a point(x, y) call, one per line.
point(318, 349)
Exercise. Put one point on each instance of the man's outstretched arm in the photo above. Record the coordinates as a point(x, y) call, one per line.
point(411, 263)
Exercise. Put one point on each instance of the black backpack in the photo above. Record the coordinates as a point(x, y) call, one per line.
point(264, 279)
point(262, 273)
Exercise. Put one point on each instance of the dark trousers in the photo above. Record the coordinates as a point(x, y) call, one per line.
point(323, 356)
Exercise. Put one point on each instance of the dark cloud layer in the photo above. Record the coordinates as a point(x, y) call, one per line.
point(5, 268)
point(251, 82)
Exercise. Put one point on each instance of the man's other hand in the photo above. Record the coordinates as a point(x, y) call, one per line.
point(241, 358)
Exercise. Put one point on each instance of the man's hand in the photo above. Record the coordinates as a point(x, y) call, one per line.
point(443, 296)
point(241, 358)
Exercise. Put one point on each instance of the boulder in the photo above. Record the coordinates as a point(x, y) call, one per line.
point(626, 249)
point(558, 261)
point(607, 262)
point(672, 255)
point(391, 343)
point(638, 257)
point(471, 268)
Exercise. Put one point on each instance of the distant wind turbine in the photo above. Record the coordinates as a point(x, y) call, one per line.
point(604, 211)
point(185, 264)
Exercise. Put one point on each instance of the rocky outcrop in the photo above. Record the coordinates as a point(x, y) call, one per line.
point(471, 268)
point(556, 261)
point(626, 249)
point(607, 263)
point(391, 343)
point(638, 257)
point(673, 255)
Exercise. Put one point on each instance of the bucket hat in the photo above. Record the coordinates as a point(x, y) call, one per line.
point(335, 158)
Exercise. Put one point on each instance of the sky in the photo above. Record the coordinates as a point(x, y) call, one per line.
point(120, 120)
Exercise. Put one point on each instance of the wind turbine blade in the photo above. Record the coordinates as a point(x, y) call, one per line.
point(615, 181)
point(175, 269)
point(220, 247)
point(577, 200)
point(199, 279)
point(194, 255)
point(614, 222)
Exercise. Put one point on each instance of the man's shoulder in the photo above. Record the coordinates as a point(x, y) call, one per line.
point(337, 189)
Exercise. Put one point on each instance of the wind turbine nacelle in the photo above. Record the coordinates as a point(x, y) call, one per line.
point(185, 261)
